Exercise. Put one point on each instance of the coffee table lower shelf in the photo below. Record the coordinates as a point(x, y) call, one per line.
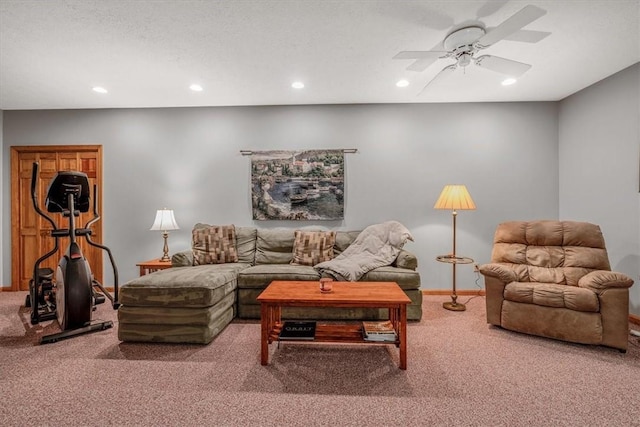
point(346, 333)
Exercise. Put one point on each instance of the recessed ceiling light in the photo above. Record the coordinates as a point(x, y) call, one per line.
point(297, 85)
point(100, 89)
point(509, 81)
point(402, 83)
point(196, 88)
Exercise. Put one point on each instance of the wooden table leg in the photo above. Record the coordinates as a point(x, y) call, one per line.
point(403, 336)
point(265, 318)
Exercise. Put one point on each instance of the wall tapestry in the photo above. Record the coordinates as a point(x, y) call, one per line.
point(297, 185)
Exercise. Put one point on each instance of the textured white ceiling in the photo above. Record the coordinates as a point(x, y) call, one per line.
point(248, 52)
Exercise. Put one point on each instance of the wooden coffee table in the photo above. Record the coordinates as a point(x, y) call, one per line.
point(344, 294)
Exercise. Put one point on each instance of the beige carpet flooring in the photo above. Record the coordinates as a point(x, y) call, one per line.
point(461, 371)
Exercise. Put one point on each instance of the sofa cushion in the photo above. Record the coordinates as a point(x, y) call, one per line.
point(313, 247)
point(246, 244)
point(175, 315)
point(198, 286)
point(405, 278)
point(171, 333)
point(259, 276)
point(552, 295)
point(214, 244)
point(274, 246)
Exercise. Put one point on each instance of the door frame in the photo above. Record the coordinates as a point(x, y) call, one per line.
point(15, 205)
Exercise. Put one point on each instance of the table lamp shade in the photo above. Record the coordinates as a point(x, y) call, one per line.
point(455, 197)
point(164, 221)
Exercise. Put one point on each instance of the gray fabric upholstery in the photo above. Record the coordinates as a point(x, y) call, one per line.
point(259, 276)
point(198, 286)
point(175, 333)
point(274, 246)
point(192, 304)
point(405, 278)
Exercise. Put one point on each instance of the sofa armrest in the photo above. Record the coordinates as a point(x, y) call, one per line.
point(182, 259)
point(499, 272)
point(406, 259)
point(601, 280)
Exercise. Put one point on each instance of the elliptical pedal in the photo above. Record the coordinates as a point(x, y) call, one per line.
point(98, 298)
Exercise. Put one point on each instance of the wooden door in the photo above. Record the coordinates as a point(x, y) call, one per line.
point(30, 233)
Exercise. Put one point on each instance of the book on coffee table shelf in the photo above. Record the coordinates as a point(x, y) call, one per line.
point(298, 330)
point(379, 331)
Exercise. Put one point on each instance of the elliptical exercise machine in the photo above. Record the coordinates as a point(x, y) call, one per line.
point(72, 297)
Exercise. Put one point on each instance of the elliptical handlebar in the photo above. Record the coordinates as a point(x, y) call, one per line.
point(96, 217)
point(34, 196)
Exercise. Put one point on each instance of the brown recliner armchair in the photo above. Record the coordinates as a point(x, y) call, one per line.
point(553, 279)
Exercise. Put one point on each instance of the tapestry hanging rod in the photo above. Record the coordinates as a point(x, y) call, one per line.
point(344, 150)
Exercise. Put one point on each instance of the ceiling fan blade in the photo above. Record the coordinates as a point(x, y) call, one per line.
point(424, 59)
point(502, 65)
point(525, 16)
point(421, 64)
point(416, 13)
point(420, 54)
point(489, 8)
point(445, 72)
point(527, 36)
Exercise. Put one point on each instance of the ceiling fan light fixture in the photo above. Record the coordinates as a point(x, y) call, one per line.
point(509, 81)
point(464, 59)
point(402, 83)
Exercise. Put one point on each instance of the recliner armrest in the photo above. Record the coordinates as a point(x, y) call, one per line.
point(601, 280)
point(498, 271)
point(182, 259)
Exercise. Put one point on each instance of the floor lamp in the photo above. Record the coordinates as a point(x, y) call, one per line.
point(454, 197)
point(164, 222)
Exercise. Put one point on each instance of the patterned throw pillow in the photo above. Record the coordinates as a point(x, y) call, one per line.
point(214, 245)
point(313, 247)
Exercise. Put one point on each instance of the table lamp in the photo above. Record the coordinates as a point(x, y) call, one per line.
point(454, 197)
point(165, 221)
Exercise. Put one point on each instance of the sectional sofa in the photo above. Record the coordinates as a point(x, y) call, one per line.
point(192, 303)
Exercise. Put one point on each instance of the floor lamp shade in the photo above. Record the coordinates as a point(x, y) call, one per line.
point(454, 198)
point(165, 221)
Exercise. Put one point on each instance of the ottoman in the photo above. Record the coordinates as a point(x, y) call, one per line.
point(178, 305)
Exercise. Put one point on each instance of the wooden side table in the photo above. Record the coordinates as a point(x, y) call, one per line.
point(150, 266)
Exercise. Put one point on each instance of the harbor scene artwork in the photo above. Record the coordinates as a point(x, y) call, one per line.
point(297, 185)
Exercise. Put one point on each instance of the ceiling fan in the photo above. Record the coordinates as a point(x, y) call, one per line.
point(463, 44)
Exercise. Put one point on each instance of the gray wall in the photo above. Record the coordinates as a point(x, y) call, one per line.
point(188, 159)
point(599, 176)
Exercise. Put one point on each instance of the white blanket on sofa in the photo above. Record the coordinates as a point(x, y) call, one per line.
point(376, 246)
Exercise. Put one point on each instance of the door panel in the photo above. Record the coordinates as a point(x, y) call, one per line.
point(31, 234)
